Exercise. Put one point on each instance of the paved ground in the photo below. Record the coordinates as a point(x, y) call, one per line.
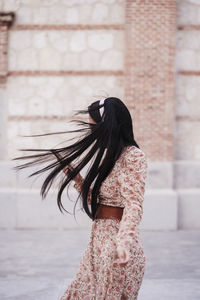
point(39, 264)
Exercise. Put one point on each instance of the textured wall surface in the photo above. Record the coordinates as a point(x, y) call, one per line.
point(60, 55)
point(66, 11)
point(188, 81)
point(149, 76)
point(45, 103)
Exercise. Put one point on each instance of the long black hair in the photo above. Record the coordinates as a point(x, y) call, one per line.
point(101, 142)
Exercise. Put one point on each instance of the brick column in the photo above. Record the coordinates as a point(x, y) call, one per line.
point(149, 74)
point(6, 20)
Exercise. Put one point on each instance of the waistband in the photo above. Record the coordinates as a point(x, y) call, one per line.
point(109, 212)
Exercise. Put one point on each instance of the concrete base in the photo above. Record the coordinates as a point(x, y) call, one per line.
point(25, 209)
point(160, 210)
point(189, 207)
point(3, 124)
point(164, 208)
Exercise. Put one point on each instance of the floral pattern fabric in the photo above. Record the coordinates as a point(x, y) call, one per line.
point(98, 276)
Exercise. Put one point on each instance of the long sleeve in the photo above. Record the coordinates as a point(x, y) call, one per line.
point(77, 186)
point(132, 188)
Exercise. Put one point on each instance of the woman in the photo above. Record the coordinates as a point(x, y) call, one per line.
point(113, 263)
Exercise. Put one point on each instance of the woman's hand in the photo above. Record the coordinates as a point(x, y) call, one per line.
point(122, 255)
point(68, 168)
point(78, 177)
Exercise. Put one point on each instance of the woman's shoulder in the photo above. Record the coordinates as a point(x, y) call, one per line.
point(132, 154)
point(132, 150)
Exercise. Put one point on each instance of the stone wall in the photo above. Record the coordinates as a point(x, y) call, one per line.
point(63, 54)
point(187, 125)
point(188, 81)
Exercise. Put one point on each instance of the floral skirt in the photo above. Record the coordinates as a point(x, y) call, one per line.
point(98, 276)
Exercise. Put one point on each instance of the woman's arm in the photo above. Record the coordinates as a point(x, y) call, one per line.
point(78, 184)
point(132, 184)
point(78, 179)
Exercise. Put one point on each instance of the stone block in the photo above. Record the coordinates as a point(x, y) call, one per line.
point(27, 60)
point(190, 149)
point(78, 42)
point(8, 176)
point(187, 175)
point(160, 175)
point(118, 13)
point(112, 60)
point(3, 124)
point(66, 11)
point(189, 208)
point(35, 212)
point(8, 211)
point(20, 40)
point(49, 58)
point(100, 41)
point(40, 102)
point(188, 39)
point(187, 12)
point(39, 40)
point(70, 50)
point(187, 59)
point(100, 13)
point(187, 96)
point(72, 15)
point(26, 181)
point(160, 209)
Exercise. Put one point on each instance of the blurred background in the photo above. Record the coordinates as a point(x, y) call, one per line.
point(57, 56)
